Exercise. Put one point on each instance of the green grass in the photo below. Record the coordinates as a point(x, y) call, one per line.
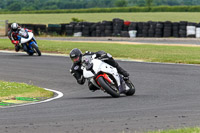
point(150, 53)
point(184, 130)
point(12, 89)
point(96, 17)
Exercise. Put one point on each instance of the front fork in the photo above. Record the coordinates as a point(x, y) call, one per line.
point(29, 44)
point(106, 77)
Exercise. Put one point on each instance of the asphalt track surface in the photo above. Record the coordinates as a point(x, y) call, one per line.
point(167, 96)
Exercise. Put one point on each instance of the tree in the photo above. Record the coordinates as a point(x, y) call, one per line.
point(121, 3)
point(15, 7)
point(149, 4)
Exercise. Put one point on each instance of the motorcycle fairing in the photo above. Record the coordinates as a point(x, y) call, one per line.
point(100, 66)
point(25, 40)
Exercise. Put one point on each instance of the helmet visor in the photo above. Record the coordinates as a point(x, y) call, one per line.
point(75, 59)
point(14, 29)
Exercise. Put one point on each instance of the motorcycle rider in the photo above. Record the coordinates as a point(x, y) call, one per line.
point(13, 35)
point(77, 72)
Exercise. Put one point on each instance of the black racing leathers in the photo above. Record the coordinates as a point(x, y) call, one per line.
point(77, 72)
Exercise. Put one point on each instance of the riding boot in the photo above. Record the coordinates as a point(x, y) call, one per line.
point(92, 87)
point(17, 48)
point(24, 47)
point(122, 71)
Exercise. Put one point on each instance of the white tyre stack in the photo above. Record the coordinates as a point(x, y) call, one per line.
point(78, 34)
point(132, 33)
point(198, 32)
point(191, 31)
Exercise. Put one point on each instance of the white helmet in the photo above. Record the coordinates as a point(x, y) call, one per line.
point(14, 26)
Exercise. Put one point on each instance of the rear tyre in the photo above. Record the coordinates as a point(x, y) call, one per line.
point(131, 91)
point(114, 92)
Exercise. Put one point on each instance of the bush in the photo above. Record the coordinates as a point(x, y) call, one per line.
point(114, 9)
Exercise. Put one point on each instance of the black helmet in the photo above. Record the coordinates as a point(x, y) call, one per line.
point(75, 55)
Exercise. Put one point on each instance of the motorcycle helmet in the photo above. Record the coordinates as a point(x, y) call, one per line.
point(75, 55)
point(14, 26)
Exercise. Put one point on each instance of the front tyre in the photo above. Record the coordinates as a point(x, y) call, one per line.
point(36, 50)
point(107, 87)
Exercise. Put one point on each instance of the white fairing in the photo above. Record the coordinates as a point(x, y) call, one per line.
point(98, 66)
point(25, 40)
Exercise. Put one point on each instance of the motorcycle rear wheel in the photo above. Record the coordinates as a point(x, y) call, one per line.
point(107, 87)
point(131, 91)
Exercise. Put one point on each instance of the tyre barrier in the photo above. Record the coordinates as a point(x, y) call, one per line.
point(119, 28)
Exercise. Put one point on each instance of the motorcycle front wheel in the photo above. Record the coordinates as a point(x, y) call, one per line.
point(110, 89)
point(36, 49)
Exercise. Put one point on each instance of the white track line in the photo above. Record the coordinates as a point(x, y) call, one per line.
point(59, 95)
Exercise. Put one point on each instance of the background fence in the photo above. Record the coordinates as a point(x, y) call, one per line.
point(119, 28)
point(3, 27)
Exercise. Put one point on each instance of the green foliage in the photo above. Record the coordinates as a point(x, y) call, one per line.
point(121, 3)
point(77, 20)
point(31, 5)
point(109, 10)
point(149, 4)
point(183, 130)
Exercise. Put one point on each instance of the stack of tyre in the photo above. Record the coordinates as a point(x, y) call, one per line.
point(198, 31)
point(125, 32)
point(100, 30)
point(191, 29)
point(133, 29)
point(175, 29)
point(77, 30)
point(159, 29)
point(117, 27)
point(145, 29)
point(151, 30)
point(69, 29)
point(39, 29)
point(93, 29)
point(182, 28)
point(54, 29)
point(86, 29)
point(140, 29)
point(28, 26)
point(108, 28)
point(167, 31)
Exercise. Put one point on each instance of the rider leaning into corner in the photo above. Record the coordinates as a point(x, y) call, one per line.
point(13, 35)
point(77, 72)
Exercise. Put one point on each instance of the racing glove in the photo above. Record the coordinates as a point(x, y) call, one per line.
point(15, 42)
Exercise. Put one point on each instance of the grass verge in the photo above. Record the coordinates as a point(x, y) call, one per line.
point(184, 130)
point(150, 53)
point(9, 90)
point(57, 18)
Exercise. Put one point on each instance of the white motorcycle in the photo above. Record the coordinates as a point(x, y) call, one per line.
point(105, 77)
point(28, 42)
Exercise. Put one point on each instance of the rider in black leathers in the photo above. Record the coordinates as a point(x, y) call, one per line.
point(77, 72)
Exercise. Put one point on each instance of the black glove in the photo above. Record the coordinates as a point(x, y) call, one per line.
point(126, 78)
